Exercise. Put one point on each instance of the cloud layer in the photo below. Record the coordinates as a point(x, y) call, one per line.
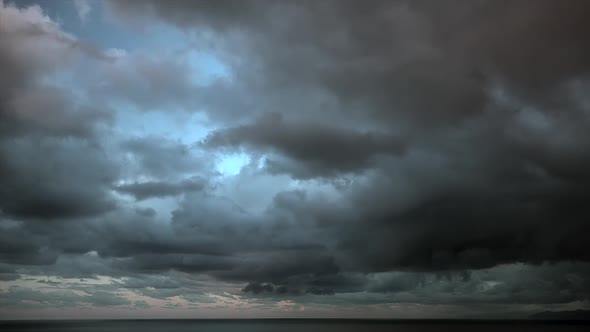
point(396, 152)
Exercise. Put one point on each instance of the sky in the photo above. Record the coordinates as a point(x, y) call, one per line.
point(254, 159)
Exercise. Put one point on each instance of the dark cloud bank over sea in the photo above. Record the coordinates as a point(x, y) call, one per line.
point(370, 159)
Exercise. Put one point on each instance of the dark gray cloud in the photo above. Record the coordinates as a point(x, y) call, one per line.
point(147, 83)
point(23, 297)
point(195, 12)
point(21, 246)
point(49, 111)
point(400, 152)
point(256, 288)
point(147, 190)
point(511, 284)
point(323, 149)
point(436, 64)
point(163, 158)
point(282, 290)
point(51, 164)
point(28, 106)
point(157, 282)
point(53, 178)
point(145, 212)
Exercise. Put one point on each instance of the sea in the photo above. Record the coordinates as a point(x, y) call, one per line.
point(288, 325)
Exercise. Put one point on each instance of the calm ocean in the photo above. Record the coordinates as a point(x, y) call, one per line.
point(287, 325)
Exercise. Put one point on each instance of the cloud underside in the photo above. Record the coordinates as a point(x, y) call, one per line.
point(432, 152)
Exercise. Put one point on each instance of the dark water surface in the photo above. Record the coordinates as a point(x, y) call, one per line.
point(289, 325)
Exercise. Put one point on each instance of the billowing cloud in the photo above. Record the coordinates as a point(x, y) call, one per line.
point(383, 153)
point(145, 190)
point(321, 149)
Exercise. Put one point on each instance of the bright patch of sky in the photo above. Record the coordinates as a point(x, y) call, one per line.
point(207, 68)
point(232, 164)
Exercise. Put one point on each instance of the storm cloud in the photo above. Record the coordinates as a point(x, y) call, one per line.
point(181, 154)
